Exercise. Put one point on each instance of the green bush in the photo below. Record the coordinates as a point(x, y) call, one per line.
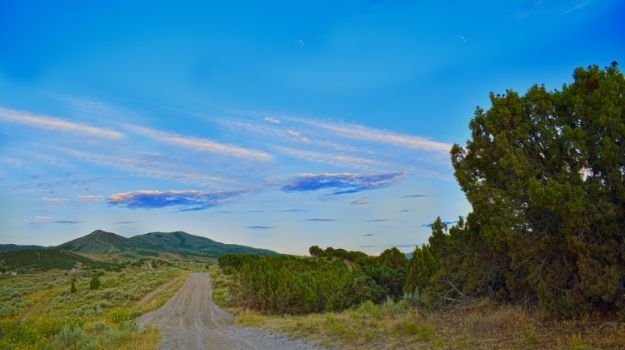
point(94, 283)
point(72, 338)
point(121, 315)
point(336, 279)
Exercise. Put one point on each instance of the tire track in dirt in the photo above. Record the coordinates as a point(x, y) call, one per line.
point(148, 297)
point(190, 320)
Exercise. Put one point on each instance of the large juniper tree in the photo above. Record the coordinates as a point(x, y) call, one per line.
point(545, 175)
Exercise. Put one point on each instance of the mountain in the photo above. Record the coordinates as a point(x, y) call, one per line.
point(45, 259)
point(13, 247)
point(187, 244)
point(102, 242)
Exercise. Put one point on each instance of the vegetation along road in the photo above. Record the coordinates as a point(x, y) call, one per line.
point(190, 320)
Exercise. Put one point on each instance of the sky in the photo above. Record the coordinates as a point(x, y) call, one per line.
point(278, 125)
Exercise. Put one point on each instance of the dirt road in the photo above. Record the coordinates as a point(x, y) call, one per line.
point(190, 320)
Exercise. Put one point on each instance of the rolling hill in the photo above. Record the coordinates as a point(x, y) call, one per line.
point(102, 242)
point(13, 247)
point(45, 259)
point(187, 244)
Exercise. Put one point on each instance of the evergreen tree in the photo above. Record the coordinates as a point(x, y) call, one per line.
point(315, 251)
point(545, 175)
point(94, 283)
point(73, 287)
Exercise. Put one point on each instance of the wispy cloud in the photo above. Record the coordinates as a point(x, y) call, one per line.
point(68, 222)
point(369, 234)
point(271, 120)
point(378, 220)
point(340, 183)
point(49, 220)
point(186, 200)
point(149, 166)
point(320, 219)
point(89, 198)
point(259, 227)
point(339, 160)
point(360, 201)
point(578, 6)
point(57, 124)
point(42, 219)
point(346, 146)
point(292, 210)
point(124, 222)
point(52, 186)
point(53, 201)
point(363, 133)
point(298, 136)
point(201, 144)
point(405, 210)
point(414, 196)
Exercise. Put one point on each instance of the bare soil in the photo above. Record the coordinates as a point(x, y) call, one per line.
point(190, 320)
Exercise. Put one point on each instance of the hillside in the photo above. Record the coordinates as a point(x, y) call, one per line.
point(187, 244)
point(14, 247)
point(102, 242)
point(45, 259)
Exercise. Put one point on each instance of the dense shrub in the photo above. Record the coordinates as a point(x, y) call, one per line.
point(72, 338)
point(336, 279)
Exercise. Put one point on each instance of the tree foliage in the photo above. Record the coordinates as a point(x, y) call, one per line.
point(545, 175)
point(73, 286)
point(334, 280)
point(95, 282)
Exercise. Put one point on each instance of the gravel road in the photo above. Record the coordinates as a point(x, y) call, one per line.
point(190, 320)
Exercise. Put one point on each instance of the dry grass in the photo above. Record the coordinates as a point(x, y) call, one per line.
point(37, 307)
point(482, 325)
point(160, 295)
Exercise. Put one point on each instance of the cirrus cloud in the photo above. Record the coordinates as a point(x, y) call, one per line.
point(50, 220)
point(89, 198)
point(360, 201)
point(363, 133)
point(321, 219)
point(200, 144)
point(61, 125)
point(259, 227)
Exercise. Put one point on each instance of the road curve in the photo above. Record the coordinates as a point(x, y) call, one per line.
point(190, 320)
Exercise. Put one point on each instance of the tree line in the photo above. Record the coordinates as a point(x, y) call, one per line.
point(544, 173)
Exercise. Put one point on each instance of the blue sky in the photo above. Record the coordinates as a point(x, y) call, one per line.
point(278, 125)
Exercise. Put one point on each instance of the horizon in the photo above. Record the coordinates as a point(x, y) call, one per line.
point(279, 127)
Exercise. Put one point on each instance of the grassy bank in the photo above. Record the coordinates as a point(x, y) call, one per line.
point(401, 325)
point(39, 311)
